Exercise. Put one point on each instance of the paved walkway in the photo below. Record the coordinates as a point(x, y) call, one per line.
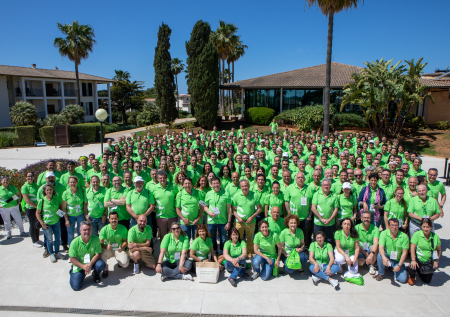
point(27, 279)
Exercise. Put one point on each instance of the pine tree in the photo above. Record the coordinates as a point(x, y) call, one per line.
point(203, 71)
point(164, 80)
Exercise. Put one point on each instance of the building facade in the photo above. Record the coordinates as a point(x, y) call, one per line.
point(184, 103)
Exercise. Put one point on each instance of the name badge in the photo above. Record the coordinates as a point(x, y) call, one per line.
point(435, 255)
point(393, 255)
point(216, 210)
point(113, 208)
point(60, 213)
point(304, 201)
point(366, 246)
point(400, 222)
point(321, 266)
point(372, 207)
point(15, 197)
point(177, 255)
point(115, 246)
point(87, 258)
point(202, 203)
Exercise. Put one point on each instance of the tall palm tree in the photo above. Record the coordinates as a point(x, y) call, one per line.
point(177, 67)
point(238, 51)
point(76, 45)
point(121, 75)
point(329, 8)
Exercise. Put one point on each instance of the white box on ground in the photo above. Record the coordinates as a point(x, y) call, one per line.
point(207, 272)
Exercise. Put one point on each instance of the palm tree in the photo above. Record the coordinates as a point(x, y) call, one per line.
point(77, 44)
point(329, 8)
point(237, 52)
point(122, 75)
point(177, 67)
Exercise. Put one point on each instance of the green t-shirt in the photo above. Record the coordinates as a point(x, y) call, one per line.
point(366, 236)
point(356, 188)
point(78, 249)
point(140, 202)
point(6, 194)
point(325, 206)
point(91, 173)
point(41, 178)
point(32, 191)
point(64, 180)
point(419, 208)
point(217, 203)
point(165, 200)
point(273, 126)
point(136, 236)
point(83, 172)
point(235, 250)
point(395, 210)
point(274, 201)
point(396, 245)
point(231, 189)
point(291, 241)
point(423, 246)
point(74, 202)
point(346, 206)
point(114, 237)
point(267, 246)
point(388, 189)
point(277, 226)
point(96, 201)
point(174, 248)
point(347, 243)
point(111, 193)
point(321, 254)
point(245, 206)
point(189, 205)
point(201, 247)
point(49, 213)
point(299, 200)
point(436, 188)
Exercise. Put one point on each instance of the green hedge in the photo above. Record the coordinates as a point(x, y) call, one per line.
point(259, 115)
point(47, 135)
point(348, 120)
point(90, 132)
point(25, 135)
point(442, 125)
point(306, 118)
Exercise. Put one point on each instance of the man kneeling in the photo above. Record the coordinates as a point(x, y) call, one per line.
point(85, 251)
point(114, 242)
point(139, 244)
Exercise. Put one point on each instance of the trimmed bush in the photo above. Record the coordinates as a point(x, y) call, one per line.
point(348, 120)
point(306, 118)
point(47, 135)
point(259, 115)
point(442, 125)
point(110, 127)
point(26, 136)
point(88, 130)
point(6, 138)
point(418, 123)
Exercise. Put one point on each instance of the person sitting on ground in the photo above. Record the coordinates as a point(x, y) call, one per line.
point(173, 250)
point(321, 258)
point(85, 252)
point(113, 238)
point(292, 240)
point(202, 247)
point(425, 248)
point(392, 252)
point(368, 242)
point(347, 246)
point(140, 246)
point(265, 244)
point(235, 252)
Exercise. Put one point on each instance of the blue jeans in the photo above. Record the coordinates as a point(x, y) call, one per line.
point(48, 234)
point(71, 229)
point(97, 225)
point(321, 274)
point(401, 275)
point(303, 260)
point(133, 221)
point(76, 279)
point(190, 230)
point(266, 271)
point(212, 228)
point(236, 271)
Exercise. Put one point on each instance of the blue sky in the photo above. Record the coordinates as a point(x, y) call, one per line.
point(281, 35)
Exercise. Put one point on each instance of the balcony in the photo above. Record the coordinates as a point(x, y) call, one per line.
point(35, 92)
point(53, 92)
point(70, 92)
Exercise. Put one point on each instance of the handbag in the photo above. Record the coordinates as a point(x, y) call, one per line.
point(427, 267)
point(293, 261)
point(37, 223)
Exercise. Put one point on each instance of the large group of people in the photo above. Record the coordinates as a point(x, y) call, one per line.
point(275, 200)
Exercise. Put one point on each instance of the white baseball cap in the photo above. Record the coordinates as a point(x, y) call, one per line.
point(371, 141)
point(223, 131)
point(285, 154)
point(48, 174)
point(252, 157)
point(189, 133)
point(346, 185)
point(138, 179)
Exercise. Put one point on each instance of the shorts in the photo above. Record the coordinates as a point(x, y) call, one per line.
point(148, 258)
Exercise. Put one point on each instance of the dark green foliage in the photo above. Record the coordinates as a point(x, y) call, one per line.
point(47, 135)
point(7, 138)
point(164, 80)
point(442, 125)
point(306, 118)
point(418, 123)
point(23, 113)
point(125, 94)
point(90, 132)
point(203, 74)
point(19, 136)
point(149, 115)
point(348, 120)
point(259, 115)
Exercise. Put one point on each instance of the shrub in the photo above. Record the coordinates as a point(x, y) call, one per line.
point(55, 119)
point(110, 127)
point(306, 118)
point(6, 138)
point(348, 120)
point(442, 125)
point(259, 115)
point(23, 113)
point(418, 123)
point(88, 130)
point(149, 115)
point(73, 114)
point(47, 135)
point(26, 136)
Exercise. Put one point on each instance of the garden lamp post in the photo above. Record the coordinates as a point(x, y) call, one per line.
point(101, 116)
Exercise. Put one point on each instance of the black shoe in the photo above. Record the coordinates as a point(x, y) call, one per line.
point(247, 276)
point(232, 282)
point(97, 278)
point(46, 254)
point(65, 247)
point(105, 273)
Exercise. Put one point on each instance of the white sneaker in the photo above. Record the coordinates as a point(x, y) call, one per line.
point(187, 277)
point(52, 258)
point(41, 242)
point(315, 280)
point(333, 283)
point(372, 270)
point(69, 261)
point(136, 268)
point(37, 245)
point(59, 256)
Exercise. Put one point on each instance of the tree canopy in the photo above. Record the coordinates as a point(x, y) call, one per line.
point(125, 94)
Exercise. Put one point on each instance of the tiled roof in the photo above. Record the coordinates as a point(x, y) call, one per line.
point(309, 77)
point(47, 73)
point(314, 77)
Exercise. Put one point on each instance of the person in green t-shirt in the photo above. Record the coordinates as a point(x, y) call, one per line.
point(234, 254)
point(274, 199)
point(74, 205)
point(113, 238)
point(140, 245)
point(266, 255)
point(140, 201)
point(368, 242)
point(397, 208)
point(95, 196)
point(325, 208)
point(172, 261)
point(29, 192)
point(202, 247)
point(422, 206)
point(10, 197)
point(273, 126)
point(425, 247)
point(293, 240)
point(85, 255)
point(188, 208)
point(276, 223)
point(436, 187)
point(321, 258)
point(347, 246)
point(347, 203)
point(392, 252)
point(116, 199)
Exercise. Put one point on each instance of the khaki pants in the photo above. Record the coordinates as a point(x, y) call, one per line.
point(249, 230)
point(121, 257)
point(146, 257)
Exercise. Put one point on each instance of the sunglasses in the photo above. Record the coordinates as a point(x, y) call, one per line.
point(358, 175)
point(177, 228)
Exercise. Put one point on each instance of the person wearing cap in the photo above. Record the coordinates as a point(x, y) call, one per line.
point(140, 201)
point(10, 197)
point(95, 196)
point(336, 187)
point(347, 203)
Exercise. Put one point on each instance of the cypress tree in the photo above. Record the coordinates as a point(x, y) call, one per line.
point(203, 74)
point(164, 80)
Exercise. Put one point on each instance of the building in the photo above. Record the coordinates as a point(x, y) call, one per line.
point(49, 90)
point(184, 103)
point(305, 86)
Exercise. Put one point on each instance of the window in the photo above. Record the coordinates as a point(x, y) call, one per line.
point(83, 89)
point(88, 107)
point(269, 98)
point(90, 89)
